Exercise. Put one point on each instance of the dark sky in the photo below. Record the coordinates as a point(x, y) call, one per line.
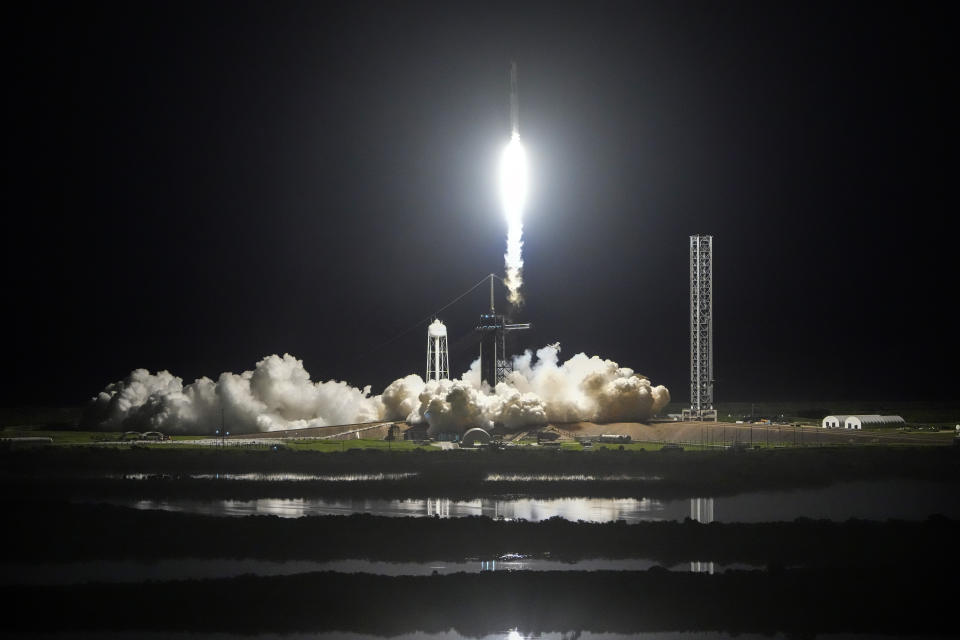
point(196, 185)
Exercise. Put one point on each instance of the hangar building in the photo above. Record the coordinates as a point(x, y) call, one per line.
point(859, 422)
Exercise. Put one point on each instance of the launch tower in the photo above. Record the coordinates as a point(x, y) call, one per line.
point(493, 328)
point(701, 330)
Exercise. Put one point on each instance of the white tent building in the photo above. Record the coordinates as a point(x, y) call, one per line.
point(859, 422)
point(474, 436)
point(834, 422)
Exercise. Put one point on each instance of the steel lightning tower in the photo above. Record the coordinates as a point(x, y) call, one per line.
point(701, 330)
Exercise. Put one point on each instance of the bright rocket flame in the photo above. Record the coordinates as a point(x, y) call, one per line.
point(513, 178)
point(513, 191)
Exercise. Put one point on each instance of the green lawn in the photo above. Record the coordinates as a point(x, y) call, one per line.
point(344, 445)
point(810, 439)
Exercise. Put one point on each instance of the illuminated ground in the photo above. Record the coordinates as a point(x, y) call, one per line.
point(716, 434)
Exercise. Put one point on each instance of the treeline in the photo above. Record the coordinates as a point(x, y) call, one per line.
point(111, 532)
point(795, 601)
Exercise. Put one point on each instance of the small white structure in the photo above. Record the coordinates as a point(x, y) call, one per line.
point(834, 422)
point(614, 437)
point(438, 357)
point(859, 422)
point(475, 436)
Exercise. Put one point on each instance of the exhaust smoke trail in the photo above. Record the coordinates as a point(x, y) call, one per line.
point(513, 186)
point(513, 192)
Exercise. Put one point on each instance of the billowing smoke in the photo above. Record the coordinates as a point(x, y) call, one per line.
point(278, 394)
point(541, 390)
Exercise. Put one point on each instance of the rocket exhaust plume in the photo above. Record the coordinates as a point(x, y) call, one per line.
point(513, 192)
point(279, 394)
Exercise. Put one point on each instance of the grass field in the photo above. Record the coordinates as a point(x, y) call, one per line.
point(345, 445)
point(811, 438)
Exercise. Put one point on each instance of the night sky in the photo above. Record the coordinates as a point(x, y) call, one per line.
point(193, 186)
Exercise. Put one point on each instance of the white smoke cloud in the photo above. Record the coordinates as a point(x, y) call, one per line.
point(540, 390)
point(278, 394)
point(401, 399)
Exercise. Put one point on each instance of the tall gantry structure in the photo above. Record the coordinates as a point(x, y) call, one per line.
point(701, 330)
point(493, 328)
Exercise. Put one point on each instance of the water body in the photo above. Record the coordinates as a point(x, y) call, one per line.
point(267, 477)
point(507, 634)
point(124, 571)
point(528, 477)
point(875, 500)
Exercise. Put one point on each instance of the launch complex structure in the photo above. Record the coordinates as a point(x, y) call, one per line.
point(495, 364)
point(493, 327)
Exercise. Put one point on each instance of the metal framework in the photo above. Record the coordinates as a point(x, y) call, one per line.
point(438, 356)
point(701, 329)
point(495, 366)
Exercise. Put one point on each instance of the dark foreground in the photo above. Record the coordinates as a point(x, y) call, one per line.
point(77, 472)
point(869, 577)
point(107, 532)
point(795, 601)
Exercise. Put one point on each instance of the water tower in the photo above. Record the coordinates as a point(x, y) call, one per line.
point(438, 357)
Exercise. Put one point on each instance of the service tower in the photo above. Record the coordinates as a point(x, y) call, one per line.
point(493, 328)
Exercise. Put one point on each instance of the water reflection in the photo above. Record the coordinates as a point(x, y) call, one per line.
point(530, 509)
point(907, 500)
point(123, 571)
point(508, 634)
point(701, 510)
point(527, 477)
point(267, 477)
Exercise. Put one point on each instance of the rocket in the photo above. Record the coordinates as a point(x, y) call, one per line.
point(514, 103)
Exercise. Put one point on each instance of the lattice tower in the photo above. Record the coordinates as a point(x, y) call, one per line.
point(701, 326)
